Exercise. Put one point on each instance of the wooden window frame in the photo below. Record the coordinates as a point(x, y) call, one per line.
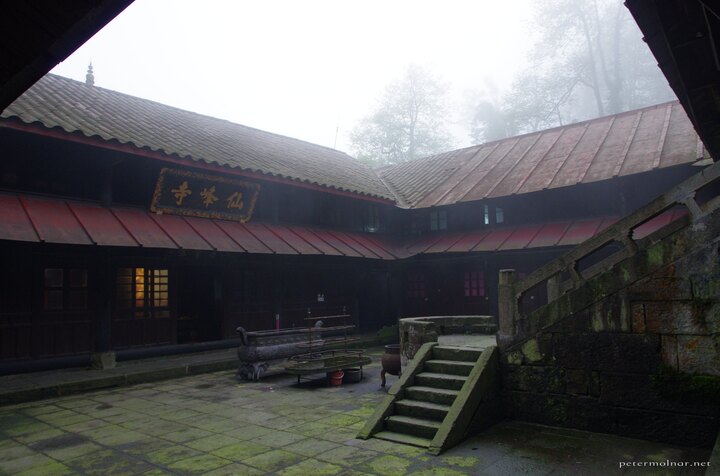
point(143, 292)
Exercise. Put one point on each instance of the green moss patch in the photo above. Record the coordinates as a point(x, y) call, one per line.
point(696, 388)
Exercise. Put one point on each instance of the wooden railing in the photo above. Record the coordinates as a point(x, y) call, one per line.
point(563, 274)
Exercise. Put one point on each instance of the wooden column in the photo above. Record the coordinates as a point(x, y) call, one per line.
point(103, 357)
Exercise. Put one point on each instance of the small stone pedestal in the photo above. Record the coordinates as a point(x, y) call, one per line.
point(102, 360)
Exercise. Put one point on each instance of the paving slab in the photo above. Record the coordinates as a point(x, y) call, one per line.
point(215, 424)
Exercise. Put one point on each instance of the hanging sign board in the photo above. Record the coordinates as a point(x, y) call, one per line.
point(180, 192)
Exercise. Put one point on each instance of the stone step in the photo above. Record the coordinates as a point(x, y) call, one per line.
point(449, 367)
point(440, 396)
point(418, 409)
point(430, 379)
point(463, 354)
point(403, 438)
point(419, 427)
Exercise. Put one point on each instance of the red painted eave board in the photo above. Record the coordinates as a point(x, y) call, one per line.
point(54, 222)
point(14, 222)
point(444, 244)
point(143, 228)
point(102, 226)
point(270, 239)
point(549, 235)
point(423, 244)
point(293, 239)
point(520, 238)
point(180, 232)
point(377, 244)
point(243, 237)
point(580, 231)
point(336, 243)
point(350, 240)
point(310, 237)
point(493, 240)
point(468, 242)
point(212, 233)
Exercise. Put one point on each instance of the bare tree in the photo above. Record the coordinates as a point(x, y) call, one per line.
point(409, 122)
point(589, 61)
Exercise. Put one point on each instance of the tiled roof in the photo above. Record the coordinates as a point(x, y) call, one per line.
point(55, 101)
point(623, 144)
point(54, 220)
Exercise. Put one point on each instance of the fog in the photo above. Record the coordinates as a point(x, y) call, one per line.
point(310, 69)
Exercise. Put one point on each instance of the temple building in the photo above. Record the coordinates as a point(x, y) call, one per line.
point(129, 224)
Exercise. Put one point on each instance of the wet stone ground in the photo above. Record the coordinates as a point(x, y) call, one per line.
point(214, 424)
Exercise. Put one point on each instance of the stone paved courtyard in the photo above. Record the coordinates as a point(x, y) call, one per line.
point(213, 424)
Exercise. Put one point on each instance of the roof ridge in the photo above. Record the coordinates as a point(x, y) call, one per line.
point(200, 114)
point(399, 200)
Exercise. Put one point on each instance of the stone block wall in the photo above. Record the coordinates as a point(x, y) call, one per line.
point(641, 361)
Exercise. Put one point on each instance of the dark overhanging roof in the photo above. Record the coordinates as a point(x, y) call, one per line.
point(39, 34)
point(684, 36)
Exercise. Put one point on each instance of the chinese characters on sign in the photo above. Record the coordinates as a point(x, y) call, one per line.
point(188, 193)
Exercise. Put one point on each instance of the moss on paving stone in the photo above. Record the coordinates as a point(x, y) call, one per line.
point(145, 446)
point(277, 439)
point(157, 472)
point(40, 410)
point(108, 462)
point(212, 442)
point(461, 461)
point(364, 411)
point(340, 419)
point(10, 450)
point(281, 423)
point(122, 438)
point(186, 434)
point(72, 452)
point(347, 455)
point(387, 465)
point(311, 446)
point(199, 464)
point(439, 471)
point(312, 466)
point(103, 431)
point(248, 432)
point(69, 420)
point(339, 435)
point(393, 448)
point(51, 469)
point(313, 429)
point(274, 460)
point(241, 451)
point(170, 454)
point(16, 465)
point(26, 429)
point(38, 436)
point(235, 469)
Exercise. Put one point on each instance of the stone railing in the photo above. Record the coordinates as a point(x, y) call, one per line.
point(698, 194)
point(416, 331)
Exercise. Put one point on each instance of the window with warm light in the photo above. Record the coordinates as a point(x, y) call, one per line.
point(144, 291)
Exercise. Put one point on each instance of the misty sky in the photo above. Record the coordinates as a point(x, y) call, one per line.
point(302, 68)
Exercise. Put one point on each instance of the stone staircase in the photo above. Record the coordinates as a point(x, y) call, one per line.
point(424, 406)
